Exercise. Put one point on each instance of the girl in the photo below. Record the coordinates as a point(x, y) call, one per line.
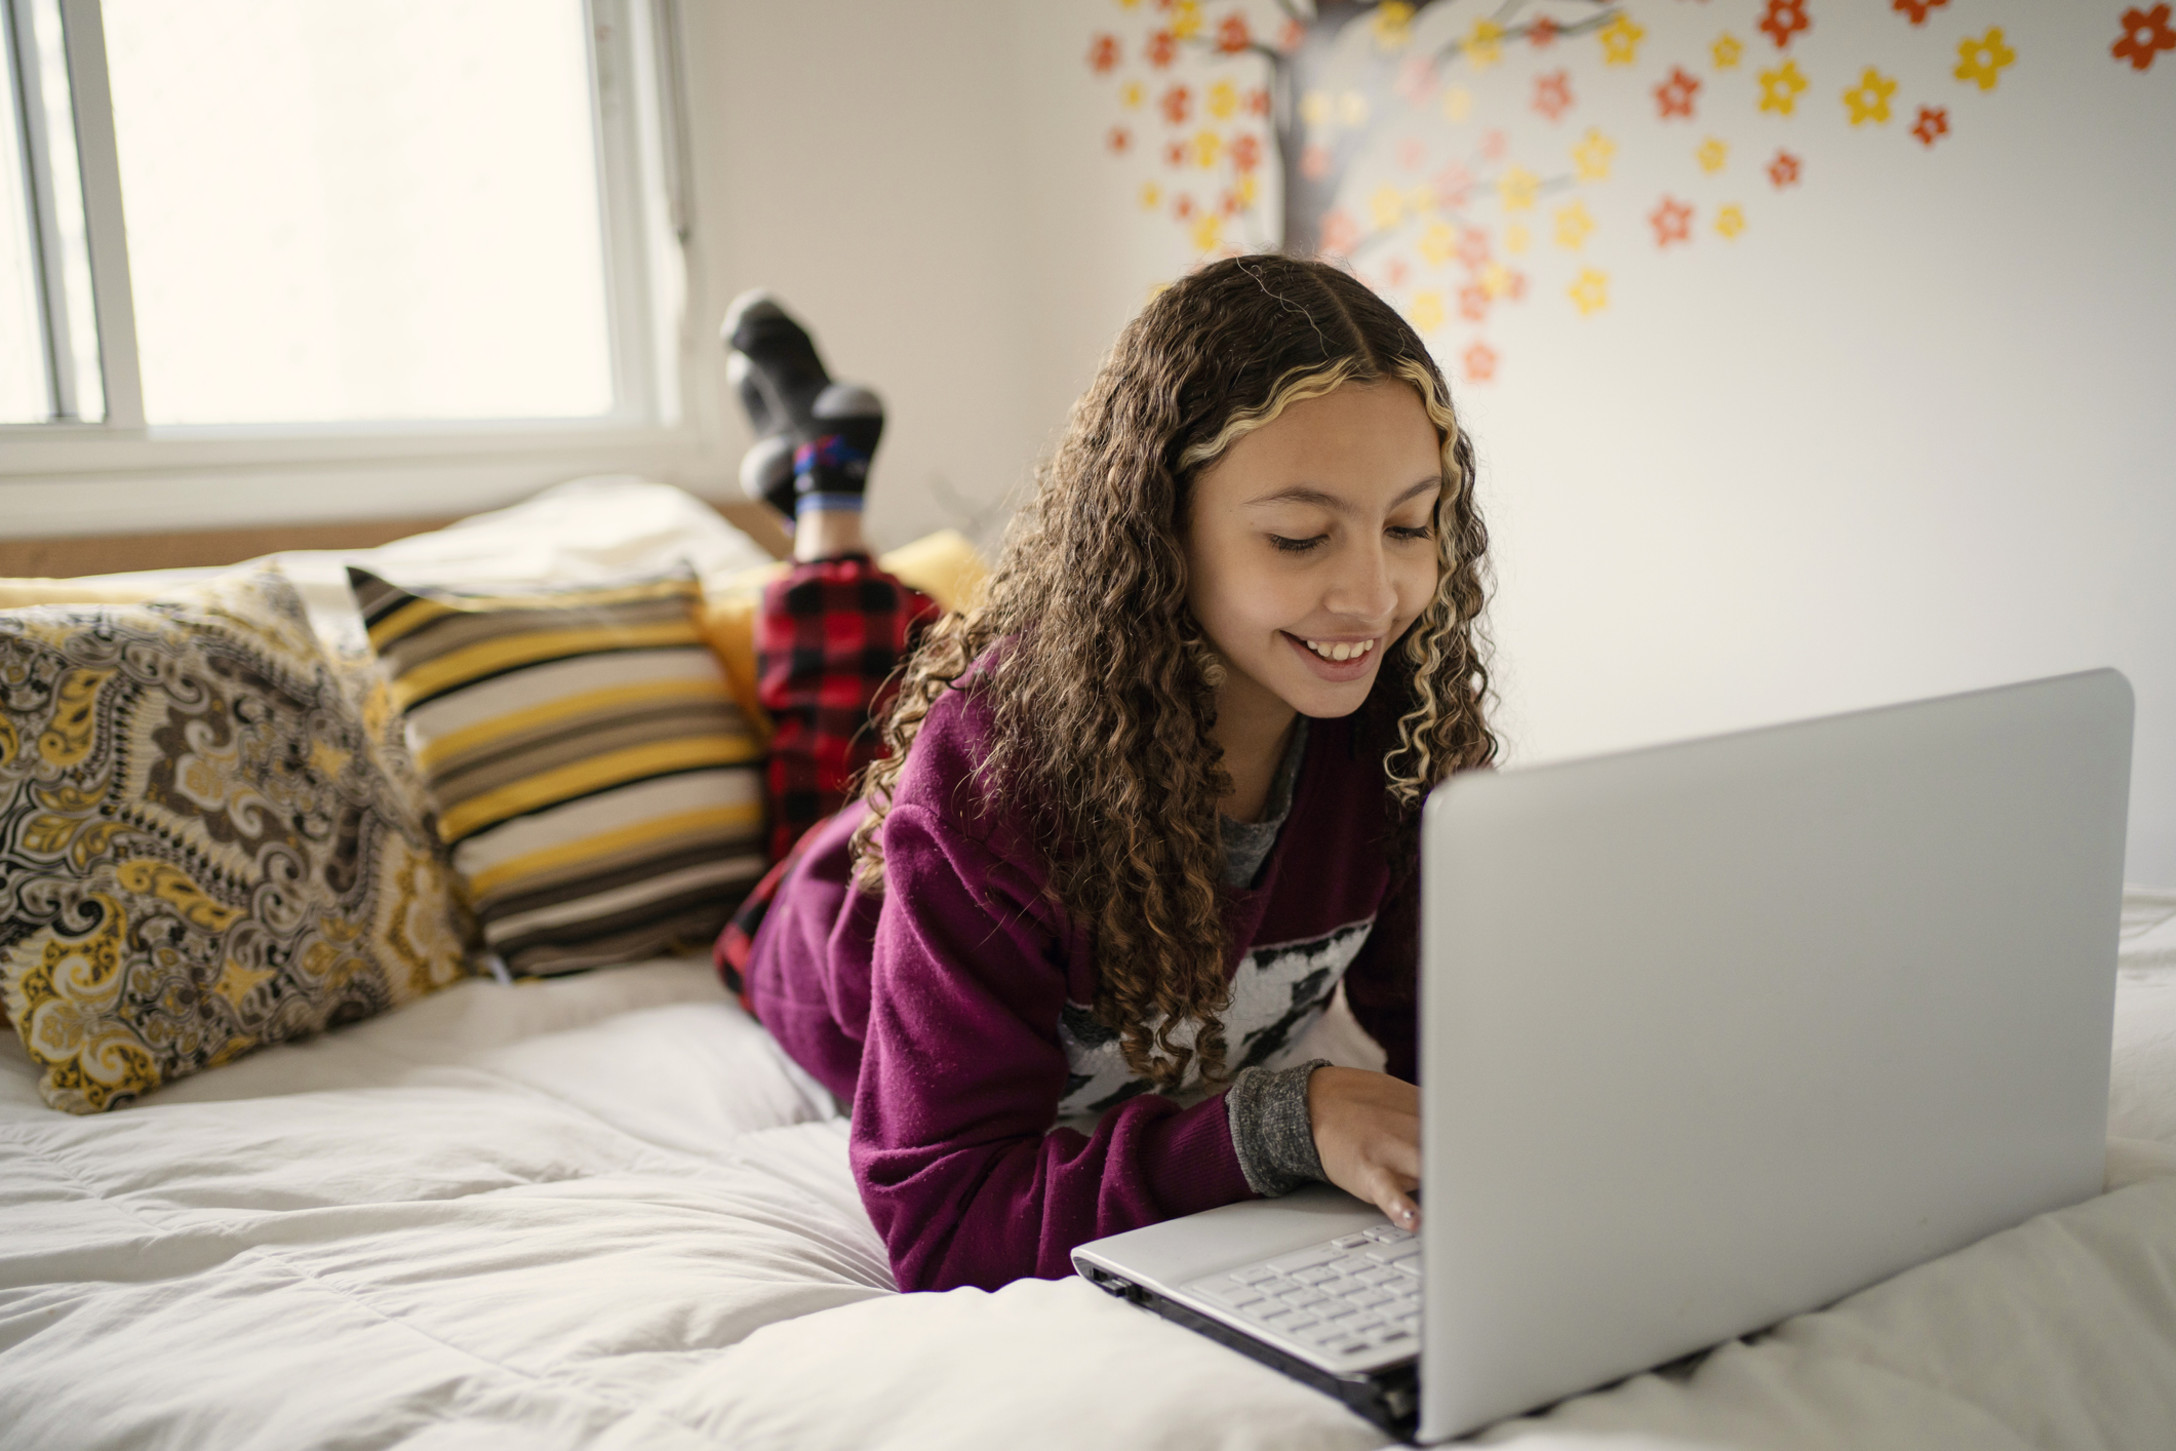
point(1147, 807)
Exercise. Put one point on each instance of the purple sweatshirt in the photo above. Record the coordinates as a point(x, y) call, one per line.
point(952, 1011)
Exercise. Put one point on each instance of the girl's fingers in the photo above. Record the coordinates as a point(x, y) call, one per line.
point(1400, 1210)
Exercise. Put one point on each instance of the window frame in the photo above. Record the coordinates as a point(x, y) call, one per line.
point(122, 473)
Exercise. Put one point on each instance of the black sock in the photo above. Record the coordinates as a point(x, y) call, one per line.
point(831, 470)
point(783, 376)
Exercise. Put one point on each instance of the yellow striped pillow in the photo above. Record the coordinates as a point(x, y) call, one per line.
point(598, 784)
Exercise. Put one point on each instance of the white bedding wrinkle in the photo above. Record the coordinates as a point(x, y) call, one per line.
point(603, 1211)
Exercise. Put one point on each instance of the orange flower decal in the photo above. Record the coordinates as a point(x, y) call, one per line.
point(1674, 96)
point(1784, 19)
point(1103, 54)
point(1783, 171)
point(1932, 125)
point(2146, 34)
point(1231, 34)
point(1917, 9)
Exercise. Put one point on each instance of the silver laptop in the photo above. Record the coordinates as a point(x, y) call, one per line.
point(1712, 1033)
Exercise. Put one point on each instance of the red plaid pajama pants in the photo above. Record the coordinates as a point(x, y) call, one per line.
point(829, 637)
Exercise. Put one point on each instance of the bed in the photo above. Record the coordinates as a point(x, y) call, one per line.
point(603, 1210)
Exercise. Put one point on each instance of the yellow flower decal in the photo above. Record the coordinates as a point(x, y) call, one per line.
point(1387, 207)
point(1152, 196)
point(1392, 24)
point(1780, 88)
point(1130, 94)
point(1496, 279)
point(1223, 100)
point(1574, 224)
point(1593, 155)
point(1208, 232)
point(1246, 190)
point(1517, 238)
point(1426, 313)
point(1185, 19)
point(1730, 220)
point(1315, 108)
point(1207, 147)
point(1713, 154)
point(1727, 49)
point(1590, 293)
point(1485, 44)
point(1352, 109)
point(1621, 40)
point(1518, 187)
point(1983, 60)
point(1439, 244)
point(1457, 104)
point(1869, 99)
point(1420, 200)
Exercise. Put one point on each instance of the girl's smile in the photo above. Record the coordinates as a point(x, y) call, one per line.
point(1339, 660)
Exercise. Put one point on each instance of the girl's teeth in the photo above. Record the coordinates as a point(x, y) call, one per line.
point(1340, 650)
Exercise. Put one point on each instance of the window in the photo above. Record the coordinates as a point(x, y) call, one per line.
point(281, 235)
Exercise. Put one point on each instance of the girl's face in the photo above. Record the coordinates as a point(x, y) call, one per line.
point(1311, 547)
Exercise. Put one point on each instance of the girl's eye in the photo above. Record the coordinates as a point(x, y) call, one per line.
point(1296, 546)
point(1424, 531)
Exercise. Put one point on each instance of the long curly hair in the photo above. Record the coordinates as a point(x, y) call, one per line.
point(1104, 694)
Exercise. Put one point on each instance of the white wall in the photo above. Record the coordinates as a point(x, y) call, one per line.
point(1908, 434)
point(863, 159)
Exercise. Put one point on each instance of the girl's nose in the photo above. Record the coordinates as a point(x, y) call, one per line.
point(1363, 587)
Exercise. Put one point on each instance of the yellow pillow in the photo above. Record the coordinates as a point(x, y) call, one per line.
point(943, 566)
point(210, 839)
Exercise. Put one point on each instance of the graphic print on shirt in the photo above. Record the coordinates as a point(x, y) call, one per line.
point(1277, 993)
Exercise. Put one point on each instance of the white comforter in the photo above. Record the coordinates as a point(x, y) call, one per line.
point(604, 1212)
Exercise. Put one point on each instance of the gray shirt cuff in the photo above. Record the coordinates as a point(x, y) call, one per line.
point(1271, 1133)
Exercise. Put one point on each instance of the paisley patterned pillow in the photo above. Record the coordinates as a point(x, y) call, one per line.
point(211, 839)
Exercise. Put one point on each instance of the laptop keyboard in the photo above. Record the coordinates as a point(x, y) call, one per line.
point(1353, 1296)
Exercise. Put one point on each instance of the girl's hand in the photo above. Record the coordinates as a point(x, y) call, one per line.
point(1367, 1132)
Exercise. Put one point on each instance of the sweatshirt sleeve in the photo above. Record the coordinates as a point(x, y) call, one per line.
point(1382, 984)
point(953, 1143)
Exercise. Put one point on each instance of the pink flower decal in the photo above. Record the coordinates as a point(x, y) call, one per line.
point(1783, 171)
point(1672, 221)
point(1453, 184)
point(1416, 81)
point(1473, 302)
point(1246, 153)
point(1103, 54)
point(1932, 125)
point(1480, 363)
point(1163, 48)
point(1553, 93)
point(1316, 161)
point(1118, 140)
point(1232, 35)
point(1177, 104)
point(1541, 32)
point(1340, 231)
point(2146, 34)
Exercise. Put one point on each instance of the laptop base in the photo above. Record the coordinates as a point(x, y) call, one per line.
point(1389, 1397)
